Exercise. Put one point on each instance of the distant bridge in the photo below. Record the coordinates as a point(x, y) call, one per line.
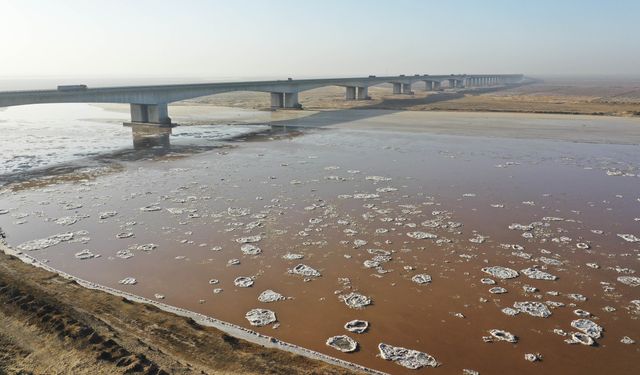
point(149, 103)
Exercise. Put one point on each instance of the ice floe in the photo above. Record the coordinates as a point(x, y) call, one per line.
point(342, 343)
point(147, 247)
point(44, 243)
point(85, 254)
point(532, 357)
point(421, 278)
point(502, 335)
point(411, 359)
point(377, 178)
point(629, 237)
point(577, 297)
point(270, 296)
point(497, 290)
point(124, 254)
point(356, 300)
point(107, 214)
point(421, 235)
point(550, 261)
point(533, 308)
point(501, 272)
point(249, 249)
point(260, 317)
point(234, 211)
point(627, 340)
point(128, 281)
point(580, 338)
point(510, 311)
point(582, 313)
point(357, 326)
point(151, 208)
point(304, 270)
point(249, 239)
point(243, 281)
point(630, 280)
point(588, 327)
point(534, 273)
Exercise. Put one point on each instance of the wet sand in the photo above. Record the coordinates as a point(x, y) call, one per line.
point(300, 193)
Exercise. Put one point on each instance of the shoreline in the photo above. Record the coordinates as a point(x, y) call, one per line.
point(203, 320)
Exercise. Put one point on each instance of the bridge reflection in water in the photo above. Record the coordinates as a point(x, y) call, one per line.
point(145, 137)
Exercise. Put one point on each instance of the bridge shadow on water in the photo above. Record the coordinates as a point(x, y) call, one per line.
point(326, 118)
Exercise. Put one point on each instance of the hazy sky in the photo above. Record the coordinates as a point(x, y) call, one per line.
point(269, 38)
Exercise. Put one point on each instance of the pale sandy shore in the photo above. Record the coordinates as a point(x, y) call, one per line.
point(559, 127)
point(572, 128)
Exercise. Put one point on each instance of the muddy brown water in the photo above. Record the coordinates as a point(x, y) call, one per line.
point(451, 178)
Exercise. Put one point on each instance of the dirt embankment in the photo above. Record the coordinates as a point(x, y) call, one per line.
point(50, 325)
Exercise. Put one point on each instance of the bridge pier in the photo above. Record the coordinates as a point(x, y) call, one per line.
point(460, 83)
point(150, 114)
point(350, 93)
point(428, 85)
point(363, 93)
point(285, 100)
point(277, 100)
point(291, 100)
point(436, 85)
point(406, 89)
point(397, 88)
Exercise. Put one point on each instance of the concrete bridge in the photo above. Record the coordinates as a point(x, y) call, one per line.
point(149, 103)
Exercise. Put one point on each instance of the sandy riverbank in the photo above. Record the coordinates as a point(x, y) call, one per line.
point(602, 97)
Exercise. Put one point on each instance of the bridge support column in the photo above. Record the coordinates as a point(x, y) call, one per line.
point(350, 93)
point(277, 100)
point(291, 100)
point(460, 83)
point(150, 114)
point(397, 88)
point(406, 89)
point(452, 83)
point(428, 85)
point(436, 85)
point(363, 93)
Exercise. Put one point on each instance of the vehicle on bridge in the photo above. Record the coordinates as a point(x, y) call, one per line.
point(72, 87)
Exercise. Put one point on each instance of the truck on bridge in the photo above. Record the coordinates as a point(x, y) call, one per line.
point(72, 87)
